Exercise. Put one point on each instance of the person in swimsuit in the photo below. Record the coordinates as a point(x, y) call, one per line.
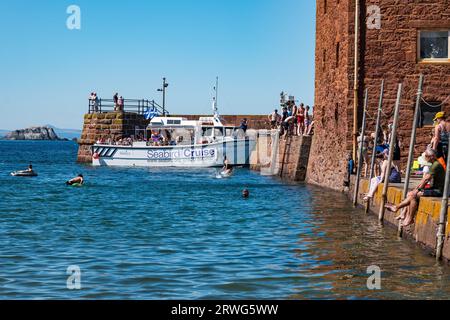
point(440, 139)
point(300, 119)
point(78, 179)
point(307, 120)
point(227, 167)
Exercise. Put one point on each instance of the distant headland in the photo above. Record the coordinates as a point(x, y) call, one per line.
point(47, 132)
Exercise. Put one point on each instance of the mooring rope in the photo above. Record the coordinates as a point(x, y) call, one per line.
point(368, 115)
point(386, 115)
point(436, 105)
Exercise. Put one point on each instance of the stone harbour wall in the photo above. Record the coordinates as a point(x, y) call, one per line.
point(291, 158)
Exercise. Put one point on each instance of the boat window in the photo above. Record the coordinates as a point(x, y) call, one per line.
point(170, 121)
point(183, 136)
point(229, 131)
point(218, 132)
point(207, 131)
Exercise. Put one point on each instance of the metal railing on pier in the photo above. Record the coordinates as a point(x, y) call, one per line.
point(138, 106)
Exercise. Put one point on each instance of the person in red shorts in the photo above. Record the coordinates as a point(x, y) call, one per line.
point(300, 119)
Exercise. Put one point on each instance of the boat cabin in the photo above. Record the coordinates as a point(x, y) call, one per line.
point(171, 131)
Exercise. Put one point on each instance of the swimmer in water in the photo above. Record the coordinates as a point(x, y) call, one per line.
point(245, 193)
point(78, 179)
point(227, 167)
point(29, 172)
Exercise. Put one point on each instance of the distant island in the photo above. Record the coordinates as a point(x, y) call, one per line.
point(47, 132)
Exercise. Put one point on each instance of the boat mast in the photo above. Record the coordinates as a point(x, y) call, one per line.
point(216, 90)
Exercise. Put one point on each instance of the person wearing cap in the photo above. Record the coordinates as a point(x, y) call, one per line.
point(440, 139)
point(431, 185)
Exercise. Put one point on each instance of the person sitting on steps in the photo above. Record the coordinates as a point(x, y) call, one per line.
point(436, 179)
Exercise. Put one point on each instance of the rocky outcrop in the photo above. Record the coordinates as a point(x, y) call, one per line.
point(33, 133)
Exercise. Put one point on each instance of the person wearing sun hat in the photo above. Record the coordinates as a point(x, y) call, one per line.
point(440, 138)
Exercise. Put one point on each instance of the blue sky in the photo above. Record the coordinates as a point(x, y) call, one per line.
point(257, 48)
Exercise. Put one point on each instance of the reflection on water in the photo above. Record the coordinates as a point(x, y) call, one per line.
point(183, 234)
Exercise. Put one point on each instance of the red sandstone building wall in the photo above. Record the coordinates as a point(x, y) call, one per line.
point(333, 102)
point(389, 53)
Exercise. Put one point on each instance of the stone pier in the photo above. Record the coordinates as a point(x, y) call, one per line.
point(290, 161)
point(114, 125)
point(293, 157)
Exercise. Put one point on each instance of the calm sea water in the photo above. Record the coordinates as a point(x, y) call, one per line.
point(183, 234)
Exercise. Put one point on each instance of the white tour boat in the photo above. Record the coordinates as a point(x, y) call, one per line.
point(178, 142)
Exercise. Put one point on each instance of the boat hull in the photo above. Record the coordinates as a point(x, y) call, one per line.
point(237, 151)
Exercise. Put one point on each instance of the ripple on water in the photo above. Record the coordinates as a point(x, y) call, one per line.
point(182, 234)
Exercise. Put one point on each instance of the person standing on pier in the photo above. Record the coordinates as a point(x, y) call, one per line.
point(300, 119)
point(91, 101)
point(284, 124)
point(121, 103)
point(284, 114)
point(95, 98)
point(294, 114)
point(307, 120)
point(274, 118)
point(116, 101)
point(244, 125)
